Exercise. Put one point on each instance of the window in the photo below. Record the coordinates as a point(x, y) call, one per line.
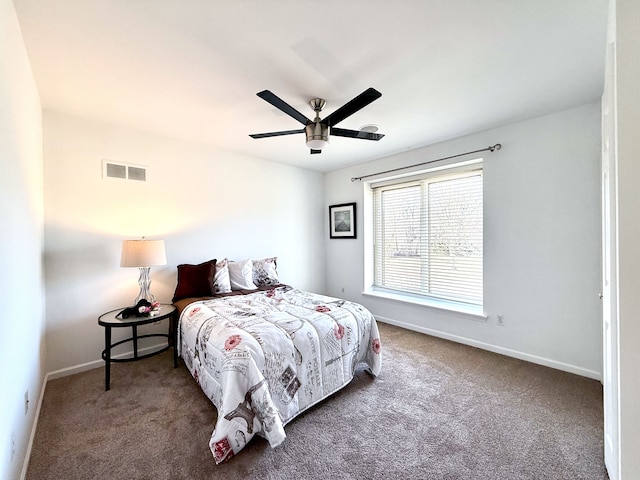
point(428, 236)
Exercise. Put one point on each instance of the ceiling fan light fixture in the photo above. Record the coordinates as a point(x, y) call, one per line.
point(317, 144)
point(317, 135)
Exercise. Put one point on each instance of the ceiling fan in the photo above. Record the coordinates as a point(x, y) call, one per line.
point(318, 130)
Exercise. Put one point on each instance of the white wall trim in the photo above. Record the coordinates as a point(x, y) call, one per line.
point(83, 367)
point(565, 367)
point(65, 372)
point(32, 435)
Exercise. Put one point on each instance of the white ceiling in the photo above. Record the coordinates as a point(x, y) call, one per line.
point(190, 69)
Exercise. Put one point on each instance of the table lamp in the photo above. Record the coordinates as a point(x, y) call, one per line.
point(143, 254)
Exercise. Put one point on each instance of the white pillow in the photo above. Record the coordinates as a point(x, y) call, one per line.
point(221, 282)
point(265, 272)
point(241, 275)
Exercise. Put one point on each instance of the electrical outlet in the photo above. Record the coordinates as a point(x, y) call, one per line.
point(500, 320)
point(26, 402)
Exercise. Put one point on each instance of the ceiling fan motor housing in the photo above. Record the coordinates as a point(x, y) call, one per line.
point(317, 135)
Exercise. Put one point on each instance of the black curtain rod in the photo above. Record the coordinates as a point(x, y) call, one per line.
point(495, 147)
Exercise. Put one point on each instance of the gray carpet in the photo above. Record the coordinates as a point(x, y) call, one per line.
point(439, 410)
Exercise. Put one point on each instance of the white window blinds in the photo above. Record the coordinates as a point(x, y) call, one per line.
point(428, 237)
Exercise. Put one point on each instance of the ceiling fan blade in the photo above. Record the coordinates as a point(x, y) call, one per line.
point(352, 106)
point(284, 106)
point(315, 151)
point(342, 132)
point(275, 134)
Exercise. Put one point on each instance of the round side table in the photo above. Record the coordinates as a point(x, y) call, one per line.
point(111, 320)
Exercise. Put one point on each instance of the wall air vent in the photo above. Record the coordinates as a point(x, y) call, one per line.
point(123, 171)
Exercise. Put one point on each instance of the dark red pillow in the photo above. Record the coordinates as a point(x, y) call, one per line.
point(195, 280)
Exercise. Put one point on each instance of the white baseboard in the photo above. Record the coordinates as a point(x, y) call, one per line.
point(83, 367)
point(32, 435)
point(565, 367)
point(63, 373)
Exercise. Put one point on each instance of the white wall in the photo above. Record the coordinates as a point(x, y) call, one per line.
point(204, 203)
point(21, 216)
point(628, 201)
point(542, 242)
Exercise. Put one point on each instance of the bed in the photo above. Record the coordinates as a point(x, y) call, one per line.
point(265, 355)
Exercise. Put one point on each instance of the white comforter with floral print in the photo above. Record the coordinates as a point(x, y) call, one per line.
point(265, 357)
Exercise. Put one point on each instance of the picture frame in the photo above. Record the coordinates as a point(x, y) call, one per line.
point(342, 220)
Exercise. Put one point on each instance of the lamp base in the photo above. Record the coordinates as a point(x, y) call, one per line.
point(145, 283)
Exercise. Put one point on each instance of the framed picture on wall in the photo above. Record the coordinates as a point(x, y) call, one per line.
point(342, 220)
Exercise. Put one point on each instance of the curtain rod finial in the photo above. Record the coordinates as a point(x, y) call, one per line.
point(497, 146)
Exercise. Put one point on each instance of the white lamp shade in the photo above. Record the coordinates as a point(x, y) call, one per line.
point(143, 253)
